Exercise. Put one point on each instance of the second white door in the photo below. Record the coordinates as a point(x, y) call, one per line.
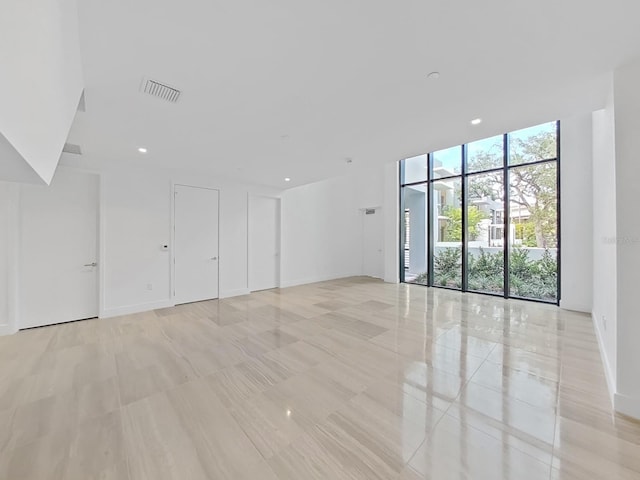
point(373, 243)
point(264, 243)
point(196, 244)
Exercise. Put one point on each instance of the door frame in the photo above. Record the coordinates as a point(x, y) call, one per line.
point(379, 211)
point(172, 247)
point(278, 242)
point(15, 246)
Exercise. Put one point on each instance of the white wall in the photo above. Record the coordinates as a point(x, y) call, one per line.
point(322, 226)
point(321, 235)
point(13, 167)
point(616, 234)
point(321, 232)
point(576, 196)
point(391, 199)
point(627, 173)
point(135, 221)
point(604, 233)
point(8, 256)
point(136, 218)
point(41, 82)
point(4, 255)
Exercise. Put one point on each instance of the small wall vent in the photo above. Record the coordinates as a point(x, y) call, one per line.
point(72, 148)
point(160, 90)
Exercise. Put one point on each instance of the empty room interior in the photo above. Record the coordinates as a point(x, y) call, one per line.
point(319, 240)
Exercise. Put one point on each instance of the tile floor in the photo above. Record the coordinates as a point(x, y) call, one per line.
point(347, 379)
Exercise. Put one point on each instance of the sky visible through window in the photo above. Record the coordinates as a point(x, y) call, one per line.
point(532, 131)
point(484, 154)
point(450, 158)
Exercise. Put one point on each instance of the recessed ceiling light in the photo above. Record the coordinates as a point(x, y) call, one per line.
point(287, 179)
point(142, 150)
point(476, 121)
point(434, 75)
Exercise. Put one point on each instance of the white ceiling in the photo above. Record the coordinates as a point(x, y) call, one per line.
point(288, 88)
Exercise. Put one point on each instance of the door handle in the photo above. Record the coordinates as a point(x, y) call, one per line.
point(94, 264)
point(214, 258)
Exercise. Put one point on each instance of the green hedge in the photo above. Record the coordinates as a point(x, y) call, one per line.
point(528, 278)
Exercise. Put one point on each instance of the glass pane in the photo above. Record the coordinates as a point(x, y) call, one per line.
point(485, 232)
point(447, 228)
point(533, 144)
point(447, 163)
point(485, 154)
point(415, 169)
point(415, 234)
point(533, 269)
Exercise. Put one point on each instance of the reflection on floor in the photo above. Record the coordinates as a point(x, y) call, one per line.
point(347, 379)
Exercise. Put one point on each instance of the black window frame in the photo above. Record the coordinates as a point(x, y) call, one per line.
point(464, 177)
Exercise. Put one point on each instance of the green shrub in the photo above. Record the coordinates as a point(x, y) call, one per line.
point(485, 272)
point(423, 278)
point(447, 267)
point(528, 278)
point(539, 280)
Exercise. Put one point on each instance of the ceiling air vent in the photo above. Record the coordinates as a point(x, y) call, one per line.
point(160, 90)
point(72, 148)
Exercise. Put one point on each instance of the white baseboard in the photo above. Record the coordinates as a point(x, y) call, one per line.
point(7, 330)
point(306, 281)
point(575, 307)
point(608, 373)
point(629, 406)
point(138, 308)
point(235, 293)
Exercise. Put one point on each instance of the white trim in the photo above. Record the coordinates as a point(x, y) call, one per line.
point(278, 242)
point(172, 236)
point(611, 386)
point(102, 255)
point(363, 216)
point(306, 281)
point(235, 293)
point(574, 307)
point(138, 308)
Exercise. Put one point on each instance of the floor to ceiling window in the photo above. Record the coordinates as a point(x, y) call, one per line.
point(483, 217)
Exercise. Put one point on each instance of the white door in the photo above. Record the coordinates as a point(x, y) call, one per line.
point(264, 243)
point(58, 250)
point(196, 244)
point(373, 242)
